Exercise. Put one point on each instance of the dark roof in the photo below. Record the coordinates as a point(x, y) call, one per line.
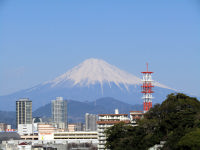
point(5, 136)
point(37, 119)
point(24, 143)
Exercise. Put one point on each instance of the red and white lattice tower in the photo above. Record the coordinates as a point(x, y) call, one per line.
point(147, 89)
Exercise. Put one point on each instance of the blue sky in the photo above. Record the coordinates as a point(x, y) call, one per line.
point(40, 40)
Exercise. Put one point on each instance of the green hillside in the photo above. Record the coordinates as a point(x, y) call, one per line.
point(176, 121)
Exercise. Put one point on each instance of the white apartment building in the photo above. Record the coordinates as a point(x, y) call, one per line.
point(81, 136)
point(136, 115)
point(108, 120)
point(47, 132)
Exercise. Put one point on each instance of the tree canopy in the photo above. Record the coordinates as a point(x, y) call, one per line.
point(176, 121)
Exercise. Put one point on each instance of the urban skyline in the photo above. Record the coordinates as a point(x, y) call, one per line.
point(73, 74)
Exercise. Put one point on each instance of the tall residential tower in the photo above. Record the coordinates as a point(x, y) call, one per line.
point(23, 111)
point(59, 112)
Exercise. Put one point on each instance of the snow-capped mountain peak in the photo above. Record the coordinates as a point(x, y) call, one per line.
point(93, 71)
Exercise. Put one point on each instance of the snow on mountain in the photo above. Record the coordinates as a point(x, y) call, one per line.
point(90, 80)
point(93, 71)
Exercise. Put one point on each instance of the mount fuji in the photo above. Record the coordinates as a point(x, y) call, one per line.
point(90, 80)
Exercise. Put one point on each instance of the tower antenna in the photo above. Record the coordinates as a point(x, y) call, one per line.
point(147, 66)
point(147, 89)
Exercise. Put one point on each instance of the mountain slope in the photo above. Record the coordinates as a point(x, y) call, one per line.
point(8, 117)
point(93, 71)
point(76, 110)
point(90, 80)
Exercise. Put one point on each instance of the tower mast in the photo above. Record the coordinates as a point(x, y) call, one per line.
point(147, 90)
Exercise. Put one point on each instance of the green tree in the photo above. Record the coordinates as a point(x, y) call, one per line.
point(123, 136)
point(174, 121)
point(190, 141)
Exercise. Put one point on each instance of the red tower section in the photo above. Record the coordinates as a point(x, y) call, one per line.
point(147, 89)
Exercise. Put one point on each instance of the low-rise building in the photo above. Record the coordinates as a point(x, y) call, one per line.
point(3, 127)
point(25, 129)
point(46, 145)
point(45, 131)
point(136, 115)
point(108, 120)
point(81, 136)
point(71, 127)
point(36, 121)
point(6, 136)
point(30, 137)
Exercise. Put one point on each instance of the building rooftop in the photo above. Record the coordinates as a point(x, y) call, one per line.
point(113, 114)
point(24, 99)
point(6, 136)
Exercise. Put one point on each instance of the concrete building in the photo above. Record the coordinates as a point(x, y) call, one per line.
point(24, 111)
point(47, 145)
point(33, 145)
point(135, 115)
point(29, 137)
point(71, 127)
point(6, 136)
point(9, 127)
point(25, 129)
point(47, 134)
point(59, 112)
point(108, 120)
point(90, 122)
point(35, 123)
point(24, 116)
point(80, 126)
point(76, 127)
point(82, 136)
point(3, 127)
point(46, 131)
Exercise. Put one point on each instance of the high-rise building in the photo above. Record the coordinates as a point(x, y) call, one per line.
point(59, 112)
point(90, 122)
point(23, 111)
